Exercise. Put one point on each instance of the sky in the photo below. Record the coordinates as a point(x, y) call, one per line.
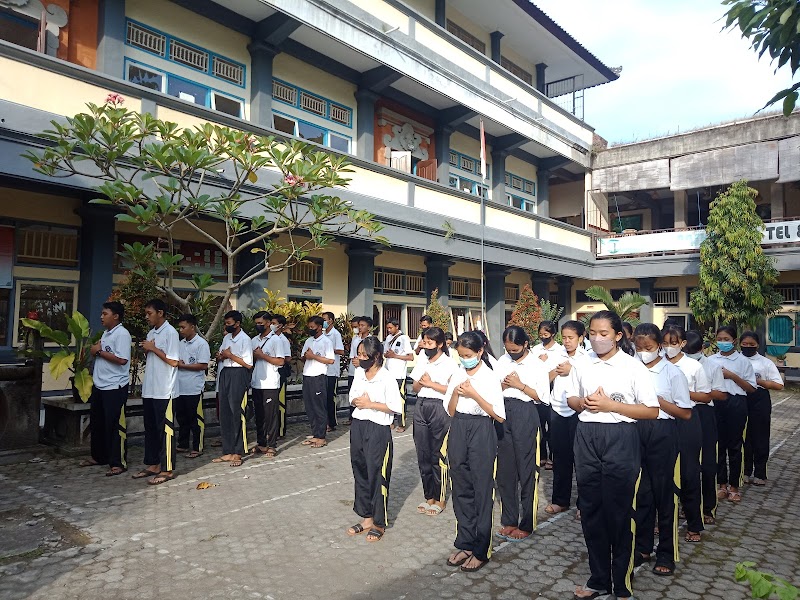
point(679, 71)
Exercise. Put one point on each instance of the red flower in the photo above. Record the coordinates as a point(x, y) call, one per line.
point(293, 180)
point(115, 99)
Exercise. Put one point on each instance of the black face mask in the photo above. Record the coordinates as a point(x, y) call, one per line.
point(261, 328)
point(749, 352)
point(546, 340)
point(516, 355)
point(366, 363)
point(430, 352)
point(230, 328)
point(313, 332)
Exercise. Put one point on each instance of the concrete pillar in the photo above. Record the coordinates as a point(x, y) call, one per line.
point(250, 295)
point(97, 252)
point(496, 36)
point(495, 303)
point(681, 210)
point(111, 39)
point(361, 279)
point(543, 193)
point(441, 138)
point(438, 277)
point(499, 176)
point(541, 83)
point(262, 56)
point(540, 282)
point(646, 285)
point(776, 195)
point(365, 124)
point(565, 296)
point(440, 13)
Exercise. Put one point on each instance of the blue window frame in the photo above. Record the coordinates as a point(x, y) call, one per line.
point(311, 102)
point(311, 132)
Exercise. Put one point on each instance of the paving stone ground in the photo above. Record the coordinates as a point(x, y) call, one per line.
point(275, 529)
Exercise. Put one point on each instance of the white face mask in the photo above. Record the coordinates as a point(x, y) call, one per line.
point(672, 351)
point(355, 330)
point(696, 355)
point(647, 357)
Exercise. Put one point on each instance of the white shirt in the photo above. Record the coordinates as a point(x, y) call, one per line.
point(381, 389)
point(532, 372)
point(486, 383)
point(739, 364)
point(715, 376)
point(192, 352)
point(351, 368)
point(266, 375)
point(160, 379)
point(334, 370)
point(671, 385)
point(764, 368)
point(321, 346)
point(440, 371)
point(109, 375)
point(241, 346)
point(695, 375)
point(561, 383)
point(556, 355)
point(400, 344)
point(624, 378)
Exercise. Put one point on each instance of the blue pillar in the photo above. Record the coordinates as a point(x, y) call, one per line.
point(111, 38)
point(499, 176)
point(438, 277)
point(262, 56)
point(440, 13)
point(495, 304)
point(540, 282)
point(361, 279)
point(365, 124)
point(441, 137)
point(496, 52)
point(97, 252)
point(565, 296)
point(543, 193)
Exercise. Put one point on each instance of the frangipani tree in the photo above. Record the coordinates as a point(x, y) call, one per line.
point(163, 177)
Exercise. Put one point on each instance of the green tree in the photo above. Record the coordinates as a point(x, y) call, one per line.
point(527, 313)
point(437, 312)
point(736, 277)
point(166, 178)
point(550, 311)
point(771, 26)
point(627, 307)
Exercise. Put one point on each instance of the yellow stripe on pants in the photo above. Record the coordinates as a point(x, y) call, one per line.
point(403, 398)
point(629, 572)
point(201, 422)
point(169, 429)
point(491, 508)
point(444, 468)
point(384, 487)
point(536, 478)
point(123, 438)
point(744, 438)
point(676, 480)
point(244, 421)
point(282, 411)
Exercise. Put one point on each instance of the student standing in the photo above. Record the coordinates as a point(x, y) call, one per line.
point(474, 398)
point(269, 354)
point(195, 356)
point(376, 398)
point(112, 357)
point(398, 353)
point(277, 327)
point(759, 410)
point(657, 499)
point(158, 389)
point(487, 348)
point(425, 322)
point(262, 322)
point(564, 420)
point(690, 432)
point(235, 363)
point(610, 392)
point(362, 332)
point(740, 380)
point(318, 354)
point(552, 354)
point(431, 420)
point(525, 383)
point(334, 369)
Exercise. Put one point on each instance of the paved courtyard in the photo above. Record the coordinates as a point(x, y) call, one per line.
point(276, 529)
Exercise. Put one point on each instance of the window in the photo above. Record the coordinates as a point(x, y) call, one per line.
point(284, 124)
point(467, 164)
point(453, 181)
point(454, 159)
point(312, 104)
point(284, 93)
point(228, 70)
point(414, 314)
point(465, 185)
point(225, 104)
point(43, 245)
point(465, 289)
point(515, 69)
point(312, 133)
point(665, 297)
point(307, 273)
point(780, 330)
point(52, 302)
point(147, 39)
point(512, 293)
point(19, 29)
point(466, 36)
point(516, 183)
point(338, 142)
point(481, 191)
point(396, 282)
point(507, 178)
point(186, 90)
point(146, 77)
point(301, 299)
point(521, 203)
point(340, 114)
point(789, 293)
point(187, 55)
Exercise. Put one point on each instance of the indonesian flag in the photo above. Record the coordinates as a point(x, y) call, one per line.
point(483, 153)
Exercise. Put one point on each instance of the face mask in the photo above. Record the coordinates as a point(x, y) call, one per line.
point(324, 324)
point(725, 346)
point(695, 355)
point(749, 352)
point(261, 328)
point(313, 332)
point(355, 330)
point(515, 356)
point(602, 345)
point(430, 352)
point(230, 328)
point(273, 328)
point(366, 363)
point(546, 340)
point(470, 363)
point(672, 351)
point(647, 357)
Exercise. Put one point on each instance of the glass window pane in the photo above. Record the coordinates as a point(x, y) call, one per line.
point(229, 106)
point(186, 90)
point(51, 303)
point(19, 29)
point(781, 329)
point(312, 133)
point(338, 142)
point(145, 77)
point(283, 124)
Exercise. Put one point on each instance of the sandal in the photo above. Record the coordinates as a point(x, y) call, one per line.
point(467, 569)
point(640, 559)
point(506, 531)
point(194, 454)
point(161, 478)
point(518, 535)
point(548, 465)
point(144, 474)
point(115, 471)
point(554, 509)
point(759, 482)
point(271, 453)
point(306, 443)
point(422, 507)
point(236, 462)
point(89, 462)
point(400, 429)
point(692, 537)
point(375, 534)
point(433, 510)
point(709, 520)
point(734, 497)
point(590, 593)
point(722, 492)
point(320, 444)
point(664, 568)
point(356, 529)
point(454, 561)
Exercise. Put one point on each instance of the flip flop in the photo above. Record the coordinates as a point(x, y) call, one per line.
point(554, 509)
point(505, 531)
point(144, 474)
point(593, 593)
point(356, 529)
point(193, 454)
point(163, 479)
point(422, 507)
point(376, 534)
point(113, 473)
point(692, 537)
point(306, 443)
point(88, 463)
point(709, 520)
point(236, 463)
point(321, 444)
point(510, 537)
point(433, 510)
point(664, 564)
point(467, 569)
point(458, 563)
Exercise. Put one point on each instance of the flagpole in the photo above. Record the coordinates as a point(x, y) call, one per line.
point(483, 233)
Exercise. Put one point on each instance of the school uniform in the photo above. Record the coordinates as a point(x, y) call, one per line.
point(657, 498)
point(556, 354)
point(371, 445)
point(608, 465)
point(109, 438)
point(233, 381)
point(472, 450)
point(732, 419)
point(759, 414)
point(400, 344)
point(159, 387)
point(351, 368)
point(315, 384)
point(690, 444)
point(266, 384)
point(333, 372)
point(431, 424)
point(563, 424)
point(518, 457)
point(709, 452)
point(283, 373)
point(189, 403)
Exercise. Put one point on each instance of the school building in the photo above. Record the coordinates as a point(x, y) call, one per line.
point(401, 87)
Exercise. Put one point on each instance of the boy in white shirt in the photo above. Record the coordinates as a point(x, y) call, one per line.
point(334, 369)
point(270, 354)
point(362, 332)
point(317, 353)
point(194, 358)
point(397, 352)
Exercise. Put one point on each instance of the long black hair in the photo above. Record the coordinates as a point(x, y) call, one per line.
point(549, 327)
point(516, 335)
point(486, 345)
point(616, 324)
point(373, 348)
point(648, 330)
point(694, 342)
point(576, 326)
point(730, 330)
point(471, 340)
point(676, 331)
point(437, 335)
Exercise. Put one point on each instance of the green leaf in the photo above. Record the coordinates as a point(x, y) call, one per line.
point(789, 103)
point(61, 362)
point(786, 14)
point(83, 383)
point(81, 324)
point(252, 177)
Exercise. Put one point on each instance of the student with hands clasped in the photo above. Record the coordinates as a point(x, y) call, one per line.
point(474, 398)
point(610, 391)
point(376, 399)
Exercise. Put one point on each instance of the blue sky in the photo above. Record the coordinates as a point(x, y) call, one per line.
point(679, 71)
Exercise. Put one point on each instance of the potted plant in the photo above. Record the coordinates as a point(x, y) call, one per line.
point(72, 354)
point(780, 359)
